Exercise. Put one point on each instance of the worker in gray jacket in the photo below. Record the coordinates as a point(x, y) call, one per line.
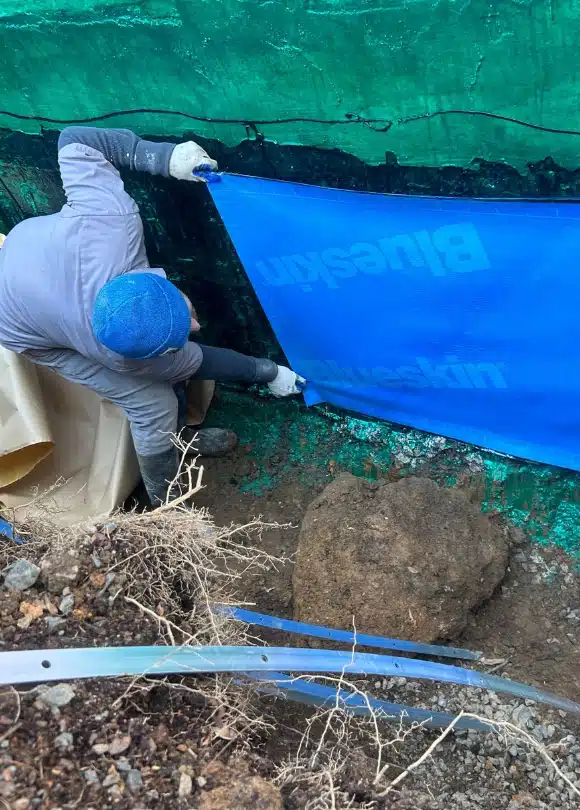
point(77, 294)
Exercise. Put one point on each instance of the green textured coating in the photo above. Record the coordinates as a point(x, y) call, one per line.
point(252, 60)
point(287, 440)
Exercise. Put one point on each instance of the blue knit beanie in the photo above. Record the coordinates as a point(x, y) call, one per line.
point(141, 315)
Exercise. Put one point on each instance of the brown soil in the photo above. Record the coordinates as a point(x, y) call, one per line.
point(174, 735)
point(524, 622)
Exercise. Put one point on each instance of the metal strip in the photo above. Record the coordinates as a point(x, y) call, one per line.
point(325, 697)
point(57, 665)
point(345, 636)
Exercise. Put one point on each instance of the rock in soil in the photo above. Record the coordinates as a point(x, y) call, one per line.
point(21, 804)
point(185, 786)
point(119, 744)
point(64, 740)
point(134, 780)
point(56, 696)
point(112, 777)
point(409, 559)
point(60, 570)
point(236, 788)
point(67, 604)
point(91, 776)
point(21, 575)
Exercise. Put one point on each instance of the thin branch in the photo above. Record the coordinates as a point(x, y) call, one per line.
point(191, 491)
point(425, 755)
point(15, 724)
point(10, 731)
point(160, 620)
point(332, 790)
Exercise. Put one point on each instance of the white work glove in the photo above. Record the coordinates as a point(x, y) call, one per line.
point(286, 383)
point(189, 157)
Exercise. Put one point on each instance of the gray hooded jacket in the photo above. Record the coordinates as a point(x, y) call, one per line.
point(52, 268)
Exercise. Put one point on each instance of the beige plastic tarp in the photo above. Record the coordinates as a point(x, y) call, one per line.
point(62, 447)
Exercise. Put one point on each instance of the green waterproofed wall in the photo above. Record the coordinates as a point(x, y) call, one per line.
point(392, 62)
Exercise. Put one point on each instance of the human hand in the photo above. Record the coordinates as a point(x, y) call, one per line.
point(188, 157)
point(286, 383)
point(195, 325)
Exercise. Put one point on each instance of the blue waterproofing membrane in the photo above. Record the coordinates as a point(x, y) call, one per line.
point(33, 666)
point(343, 636)
point(326, 697)
point(7, 531)
point(455, 316)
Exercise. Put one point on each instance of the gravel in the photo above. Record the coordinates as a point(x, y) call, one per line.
point(473, 771)
point(523, 716)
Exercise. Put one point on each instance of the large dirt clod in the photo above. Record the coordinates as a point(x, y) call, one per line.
point(409, 559)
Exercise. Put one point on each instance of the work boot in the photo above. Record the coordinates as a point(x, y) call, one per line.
point(157, 473)
point(209, 442)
